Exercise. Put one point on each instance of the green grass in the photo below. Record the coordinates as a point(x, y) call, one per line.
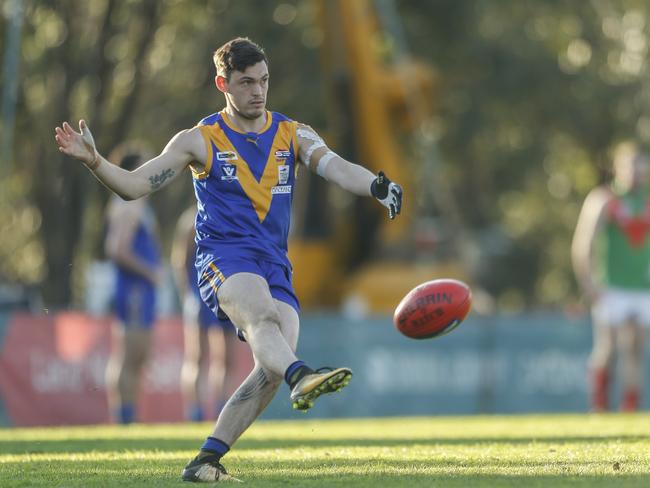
point(544, 450)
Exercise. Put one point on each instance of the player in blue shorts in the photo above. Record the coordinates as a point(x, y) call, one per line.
point(207, 339)
point(132, 245)
point(243, 161)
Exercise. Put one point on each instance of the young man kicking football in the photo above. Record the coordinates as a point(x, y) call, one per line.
point(243, 161)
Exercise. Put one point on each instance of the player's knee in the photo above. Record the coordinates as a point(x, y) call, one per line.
point(191, 356)
point(602, 356)
point(264, 320)
point(634, 350)
point(219, 359)
point(603, 345)
point(189, 371)
point(291, 336)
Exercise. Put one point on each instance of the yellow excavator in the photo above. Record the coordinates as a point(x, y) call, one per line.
point(345, 250)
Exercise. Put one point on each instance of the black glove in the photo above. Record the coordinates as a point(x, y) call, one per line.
point(389, 194)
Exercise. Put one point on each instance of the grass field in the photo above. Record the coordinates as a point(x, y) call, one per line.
point(552, 450)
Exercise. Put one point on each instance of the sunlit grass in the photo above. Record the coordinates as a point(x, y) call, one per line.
point(556, 450)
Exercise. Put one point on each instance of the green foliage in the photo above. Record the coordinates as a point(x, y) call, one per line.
point(134, 70)
point(496, 451)
point(21, 252)
point(533, 96)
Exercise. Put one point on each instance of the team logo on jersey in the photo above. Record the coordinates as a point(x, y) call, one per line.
point(282, 154)
point(226, 156)
point(228, 172)
point(281, 189)
point(283, 174)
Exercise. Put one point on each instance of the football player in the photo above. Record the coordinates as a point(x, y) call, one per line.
point(611, 257)
point(243, 161)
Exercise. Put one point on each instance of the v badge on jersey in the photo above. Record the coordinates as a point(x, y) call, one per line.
point(242, 171)
point(228, 172)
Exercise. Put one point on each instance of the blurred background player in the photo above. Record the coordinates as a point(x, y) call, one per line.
point(206, 338)
point(611, 258)
point(133, 247)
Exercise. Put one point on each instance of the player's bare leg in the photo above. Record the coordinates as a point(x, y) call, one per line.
point(195, 349)
point(219, 363)
point(600, 365)
point(113, 368)
point(124, 370)
point(246, 404)
point(246, 299)
point(267, 324)
point(259, 388)
point(230, 382)
point(630, 340)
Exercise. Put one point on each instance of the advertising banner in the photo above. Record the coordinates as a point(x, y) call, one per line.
point(53, 367)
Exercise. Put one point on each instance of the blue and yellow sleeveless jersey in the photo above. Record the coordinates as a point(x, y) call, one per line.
point(144, 246)
point(134, 296)
point(244, 192)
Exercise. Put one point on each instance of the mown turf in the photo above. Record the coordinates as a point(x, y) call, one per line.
point(513, 451)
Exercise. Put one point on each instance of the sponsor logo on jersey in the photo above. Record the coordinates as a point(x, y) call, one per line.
point(282, 189)
point(282, 154)
point(226, 156)
point(228, 172)
point(283, 174)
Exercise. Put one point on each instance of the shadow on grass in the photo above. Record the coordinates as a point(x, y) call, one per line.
point(357, 472)
point(176, 444)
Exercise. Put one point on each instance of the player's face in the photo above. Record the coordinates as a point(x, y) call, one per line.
point(632, 172)
point(246, 91)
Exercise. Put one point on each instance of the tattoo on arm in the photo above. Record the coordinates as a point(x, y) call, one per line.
point(253, 386)
point(156, 181)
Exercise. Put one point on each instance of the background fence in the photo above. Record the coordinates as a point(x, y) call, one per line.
point(52, 368)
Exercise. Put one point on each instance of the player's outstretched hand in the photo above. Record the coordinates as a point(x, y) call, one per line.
point(79, 145)
point(389, 194)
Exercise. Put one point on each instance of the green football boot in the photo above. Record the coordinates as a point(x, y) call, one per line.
point(313, 385)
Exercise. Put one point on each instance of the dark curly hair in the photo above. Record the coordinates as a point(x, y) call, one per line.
point(237, 55)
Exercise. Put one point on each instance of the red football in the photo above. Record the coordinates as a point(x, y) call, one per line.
point(433, 308)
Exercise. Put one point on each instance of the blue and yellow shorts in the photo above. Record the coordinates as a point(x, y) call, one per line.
point(219, 269)
point(134, 302)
